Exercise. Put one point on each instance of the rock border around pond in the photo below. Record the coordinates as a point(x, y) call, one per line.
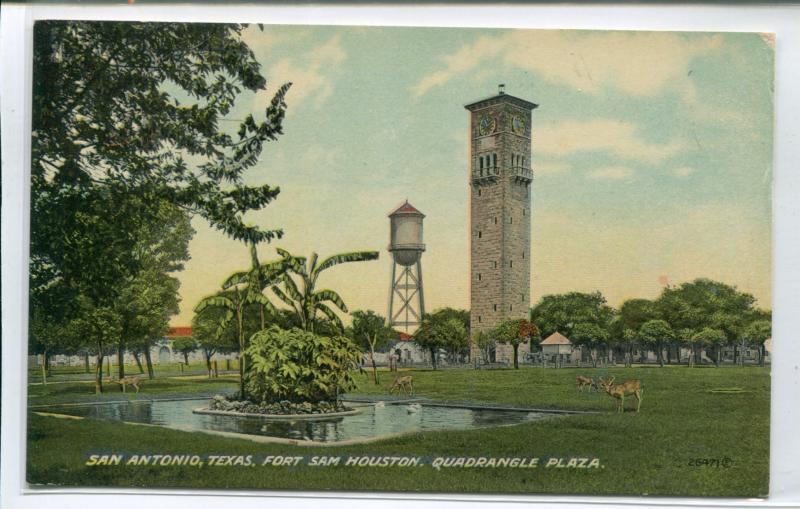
point(319, 415)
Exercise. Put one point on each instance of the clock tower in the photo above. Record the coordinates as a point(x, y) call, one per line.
point(500, 179)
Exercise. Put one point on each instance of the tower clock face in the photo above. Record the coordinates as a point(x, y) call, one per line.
point(518, 124)
point(486, 125)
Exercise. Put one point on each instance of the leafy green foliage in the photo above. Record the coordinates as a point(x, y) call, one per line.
point(561, 313)
point(515, 333)
point(185, 345)
point(369, 330)
point(130, 104)
point(299, 366)
point(444, 329)
point(304, 299)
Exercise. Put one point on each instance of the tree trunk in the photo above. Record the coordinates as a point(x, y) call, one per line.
point(86, 361)
point(208, 362)
point(98, 377)
point(516, 361)
point(138, 361)
point(186, 358)
point(433, 358)
point(374, 367)
point(47, 362)
point(149, 362)
point(242, 362)
point(108, 366)
point(121, 359)
point(44, 370)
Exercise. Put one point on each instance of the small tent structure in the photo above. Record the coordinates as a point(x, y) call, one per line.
point(557, 348)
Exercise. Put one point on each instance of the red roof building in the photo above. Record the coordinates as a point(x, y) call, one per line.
point(177, 332)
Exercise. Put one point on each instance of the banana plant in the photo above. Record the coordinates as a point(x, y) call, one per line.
point(305, 299)
point(239, 289)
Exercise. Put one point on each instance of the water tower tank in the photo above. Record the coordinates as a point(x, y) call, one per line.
point(405, 242)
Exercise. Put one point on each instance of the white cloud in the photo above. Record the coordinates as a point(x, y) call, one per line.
point(639, 63)
point(610, 173)
point(683, 171)
point(547, 167)
point(311, 74)
point(614, 136)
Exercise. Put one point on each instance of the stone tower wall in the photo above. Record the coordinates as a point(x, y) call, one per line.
point(500, 236)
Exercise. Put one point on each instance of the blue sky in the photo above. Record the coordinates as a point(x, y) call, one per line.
point(651, 153)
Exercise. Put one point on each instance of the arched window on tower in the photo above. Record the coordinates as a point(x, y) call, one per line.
point(494, 160)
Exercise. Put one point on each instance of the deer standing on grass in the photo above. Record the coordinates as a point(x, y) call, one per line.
point(402, 382)
point(626, 388)
point(585, 381)
point(133, 381)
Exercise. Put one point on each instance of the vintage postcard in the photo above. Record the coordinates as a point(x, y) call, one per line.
point(450, 260)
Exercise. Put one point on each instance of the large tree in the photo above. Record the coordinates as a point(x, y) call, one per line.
point(562, 312)
point(369, 330)
point(656, 334)
point(128, 117)
point(704, 303)
point(592, 336)
point(443, 329)
point(515, 333)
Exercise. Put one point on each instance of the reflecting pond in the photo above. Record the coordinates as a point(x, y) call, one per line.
point(370, 421)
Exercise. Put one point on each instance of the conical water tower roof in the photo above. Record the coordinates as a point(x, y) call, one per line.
point(406, 208)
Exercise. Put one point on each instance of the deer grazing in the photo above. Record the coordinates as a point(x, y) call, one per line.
point(626, 388)
point(585, 381)
point(133, 381)
point(402, 382)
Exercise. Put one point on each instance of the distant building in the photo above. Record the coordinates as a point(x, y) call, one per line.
point(559, 349)
point(404, 348)
point(161, 352)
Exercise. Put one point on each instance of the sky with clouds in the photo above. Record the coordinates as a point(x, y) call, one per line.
point(651, 153)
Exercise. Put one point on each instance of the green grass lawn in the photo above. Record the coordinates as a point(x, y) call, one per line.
point(646, 453)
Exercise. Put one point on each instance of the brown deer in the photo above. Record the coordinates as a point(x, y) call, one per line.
point(133, 381)
point(626, 388)
point(585, 381)
point(402, 382)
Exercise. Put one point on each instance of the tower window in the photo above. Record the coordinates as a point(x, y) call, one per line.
point(494, 265)
point(479, 192)
point(510, 263)
point(479, 276)
point(479, 318)
point(495, 307)
point(511, 307)
point(480, 234)
point(521, 297)
point(523, 210)
point(495, 219)
point(494, 160)
point(523, 255)
point(511, 220)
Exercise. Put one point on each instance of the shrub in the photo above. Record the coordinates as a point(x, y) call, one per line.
point(299, 366)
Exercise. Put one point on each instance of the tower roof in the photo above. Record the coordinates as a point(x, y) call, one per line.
point(501, 97)
point(406, 208)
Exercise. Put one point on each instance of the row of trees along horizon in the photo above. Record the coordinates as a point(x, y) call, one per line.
point(121, 165)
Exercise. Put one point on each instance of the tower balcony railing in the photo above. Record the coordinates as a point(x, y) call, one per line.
point(522, 173)
point(485, 174)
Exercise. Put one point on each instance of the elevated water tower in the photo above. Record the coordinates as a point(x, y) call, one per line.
point(406, 300)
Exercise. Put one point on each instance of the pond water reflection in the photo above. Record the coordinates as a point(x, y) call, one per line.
point(371, 421)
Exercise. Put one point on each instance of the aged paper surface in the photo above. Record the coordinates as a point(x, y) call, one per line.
point(400, 259)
